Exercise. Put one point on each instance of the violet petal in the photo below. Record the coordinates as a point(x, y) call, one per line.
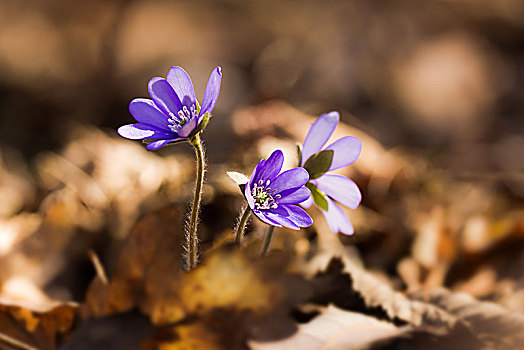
point(298, 215)
point(263, 215)
point(294, 196)
point(346, 151)
point(145, 111)
point(256, 171)
point(152, 146)
point(164, 96)
point(272, 166)
point(307, 203)
point(337, 219)
point(341, 189)
point(280, 218)
point(140, 131)
point(188, 127)
point(181, 83)
point(212, 91)
point(249, 197)
point(291, 178)
point(319, 133)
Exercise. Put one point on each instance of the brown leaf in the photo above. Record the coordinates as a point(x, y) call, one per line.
point(147, 266)
point(335, 329)
point(448, 316)
point(492, 323)
point(227, 279)
point(35, 327)
point(349, 286)
point(227, 294)
point(227, 300)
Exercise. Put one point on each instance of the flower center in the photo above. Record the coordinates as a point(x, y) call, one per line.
point(176, 122)
point(264, 196)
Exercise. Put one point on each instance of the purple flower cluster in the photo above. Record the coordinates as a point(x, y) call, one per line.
point(328, 188)
point(273, 196)
point(173, 113)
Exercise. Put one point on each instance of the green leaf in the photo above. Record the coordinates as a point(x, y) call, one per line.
point(319, 163)
point(318, 197)
point(299, 153)
point(239, 178)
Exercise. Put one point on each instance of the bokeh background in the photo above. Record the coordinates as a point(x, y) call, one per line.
point(434, 89)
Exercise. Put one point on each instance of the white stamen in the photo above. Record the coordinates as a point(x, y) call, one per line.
point(179, 119)
point(261, 193)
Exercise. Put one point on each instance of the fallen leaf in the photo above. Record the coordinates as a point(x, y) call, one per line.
point(335, 329)
point(494, 325)
point(351, 287)
point(146, 268)
point(42, 327)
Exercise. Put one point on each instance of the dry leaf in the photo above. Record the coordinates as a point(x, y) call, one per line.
point(335, 329)
point(351, 287)
point(493, 324)
point(41, 327)
point(148, 264)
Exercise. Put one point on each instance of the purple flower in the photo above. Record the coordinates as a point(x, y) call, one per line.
point(273, 198)
point(328, 188)
point(173, 112)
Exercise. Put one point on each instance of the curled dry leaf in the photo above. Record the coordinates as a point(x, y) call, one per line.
point(335, 329)
point(453, 318)
point(351, 287)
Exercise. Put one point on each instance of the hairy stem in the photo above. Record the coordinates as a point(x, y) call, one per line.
point(267, 240)
point(242, 224)
point(192, 239)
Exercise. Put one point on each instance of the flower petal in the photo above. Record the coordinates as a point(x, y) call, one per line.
point(346, 151)
point(291, 178)
point(188, 127)
point(164, 96)
point(262, 215)
point(281, 216)
point(249, 196)
point(307, 203)
point(341, 189)
point(212, 91)
point(337, 219)
point(298, 215)
point(145, 111)
point(294, 196)
point(319, 133)
point(271, 167)
point(181, 83)
point(256, 171)
point(153, 146)
point(140, 131)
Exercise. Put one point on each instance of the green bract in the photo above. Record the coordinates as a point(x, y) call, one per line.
point(318, 164)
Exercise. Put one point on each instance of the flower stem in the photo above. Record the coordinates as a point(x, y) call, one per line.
point(192, 240)
point(242, 224)
point(267, 240)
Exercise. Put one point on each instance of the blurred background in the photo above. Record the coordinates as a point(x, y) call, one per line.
point(434, 89)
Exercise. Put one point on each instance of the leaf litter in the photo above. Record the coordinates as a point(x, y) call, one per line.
point(311, 291)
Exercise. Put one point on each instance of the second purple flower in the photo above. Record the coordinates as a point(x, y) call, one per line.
point(273, 196)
